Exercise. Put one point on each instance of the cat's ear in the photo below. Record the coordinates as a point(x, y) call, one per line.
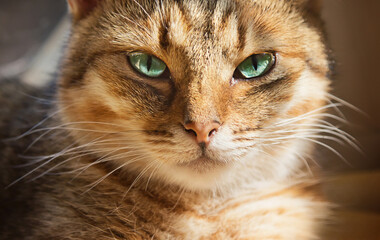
point(81, 8)
point(314, 6)
point(310, 6)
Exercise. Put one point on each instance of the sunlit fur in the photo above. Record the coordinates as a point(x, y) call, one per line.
point(133, 160)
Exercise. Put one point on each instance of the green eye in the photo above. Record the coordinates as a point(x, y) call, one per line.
point(255, 66)
point(147, 64)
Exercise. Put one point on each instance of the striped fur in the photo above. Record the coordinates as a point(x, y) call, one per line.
point(132, 159)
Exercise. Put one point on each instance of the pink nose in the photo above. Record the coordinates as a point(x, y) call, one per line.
point(202, 131)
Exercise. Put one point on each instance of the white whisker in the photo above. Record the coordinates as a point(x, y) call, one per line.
point(91, 186)
point(36, 125)
point(347, 104)
point(139, 176)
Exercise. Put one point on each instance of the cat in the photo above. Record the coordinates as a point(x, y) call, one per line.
point(172, 119)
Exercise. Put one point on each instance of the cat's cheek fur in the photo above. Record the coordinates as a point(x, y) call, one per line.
point(86, 103)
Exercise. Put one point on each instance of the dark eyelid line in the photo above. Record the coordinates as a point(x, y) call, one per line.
point(141, 51)
point(240, 60)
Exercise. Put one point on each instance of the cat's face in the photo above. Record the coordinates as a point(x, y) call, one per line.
point(193, 92)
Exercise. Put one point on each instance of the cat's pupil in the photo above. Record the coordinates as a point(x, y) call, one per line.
point(149, 63)
point(254, 62)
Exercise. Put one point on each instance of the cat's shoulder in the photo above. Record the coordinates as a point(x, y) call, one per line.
point(21, 108)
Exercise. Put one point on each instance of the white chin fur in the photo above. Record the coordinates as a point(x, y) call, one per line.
point(250, 171)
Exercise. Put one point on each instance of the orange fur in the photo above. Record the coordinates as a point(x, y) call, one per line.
point(141, 171)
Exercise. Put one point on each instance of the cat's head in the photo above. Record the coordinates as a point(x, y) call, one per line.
point(195, 93)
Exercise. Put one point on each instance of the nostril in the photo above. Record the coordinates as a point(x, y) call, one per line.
point(212, 132)
point(202, 132)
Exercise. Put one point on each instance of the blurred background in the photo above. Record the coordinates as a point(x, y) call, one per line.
point(32, 34)
point(24, 28)
point(354, 36)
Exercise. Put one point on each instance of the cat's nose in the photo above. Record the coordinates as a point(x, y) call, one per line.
point(203, 132)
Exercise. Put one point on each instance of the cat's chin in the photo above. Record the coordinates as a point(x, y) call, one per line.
point(203, 164)
point(199, 174)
